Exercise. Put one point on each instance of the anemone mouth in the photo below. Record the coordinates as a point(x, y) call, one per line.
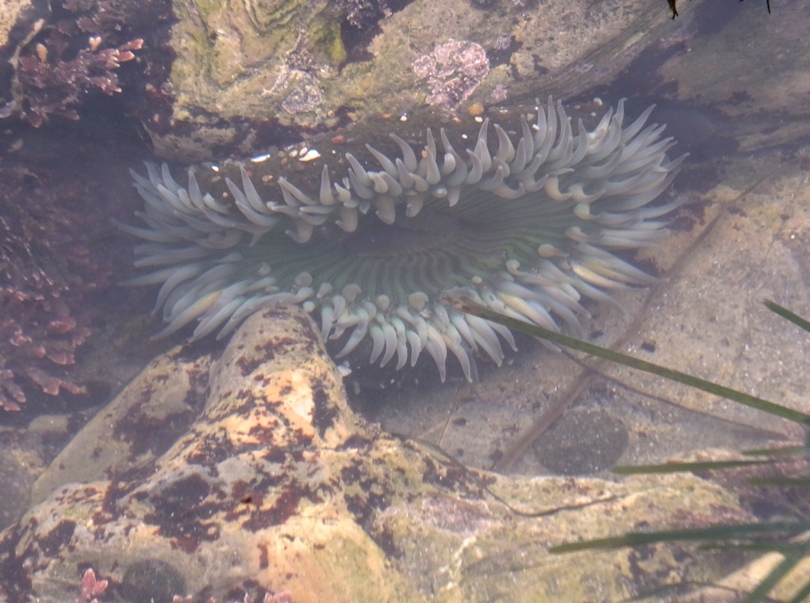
point(529, 222)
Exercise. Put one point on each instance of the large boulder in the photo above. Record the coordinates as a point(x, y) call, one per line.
point(248, 472)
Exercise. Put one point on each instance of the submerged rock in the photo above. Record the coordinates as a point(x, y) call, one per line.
point(248, 76)
point(249, 473)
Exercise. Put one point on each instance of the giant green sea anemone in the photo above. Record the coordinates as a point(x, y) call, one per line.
point(528, 221)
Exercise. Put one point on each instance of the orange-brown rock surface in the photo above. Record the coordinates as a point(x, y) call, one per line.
point(249, 473)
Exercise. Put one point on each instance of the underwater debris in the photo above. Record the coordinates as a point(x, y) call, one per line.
point(674, 8)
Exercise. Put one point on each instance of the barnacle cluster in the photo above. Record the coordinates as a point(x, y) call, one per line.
point(529, 221)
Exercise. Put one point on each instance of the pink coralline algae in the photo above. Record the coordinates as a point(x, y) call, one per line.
point(46, 273)
point(248, 598)
point(452, 71)
point(50, 85)
point(65, 55)
point(91, 587)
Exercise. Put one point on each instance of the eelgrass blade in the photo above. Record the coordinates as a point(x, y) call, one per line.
point(802, 595)
point(679, 467)
point(761, 547)
point(739, 531)
point(783, 451)
point(790, 482)
point(787, 314)
point(768, 583)
point(793, 555)
point(464, 302)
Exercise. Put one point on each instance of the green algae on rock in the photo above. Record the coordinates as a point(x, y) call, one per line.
point(238, 85)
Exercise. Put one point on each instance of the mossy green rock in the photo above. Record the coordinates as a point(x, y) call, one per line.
point(248, 75)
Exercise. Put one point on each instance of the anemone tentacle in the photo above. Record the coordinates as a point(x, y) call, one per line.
point(528, 222)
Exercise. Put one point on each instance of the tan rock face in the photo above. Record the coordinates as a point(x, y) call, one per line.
point(9, 13)
point(272, 484)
